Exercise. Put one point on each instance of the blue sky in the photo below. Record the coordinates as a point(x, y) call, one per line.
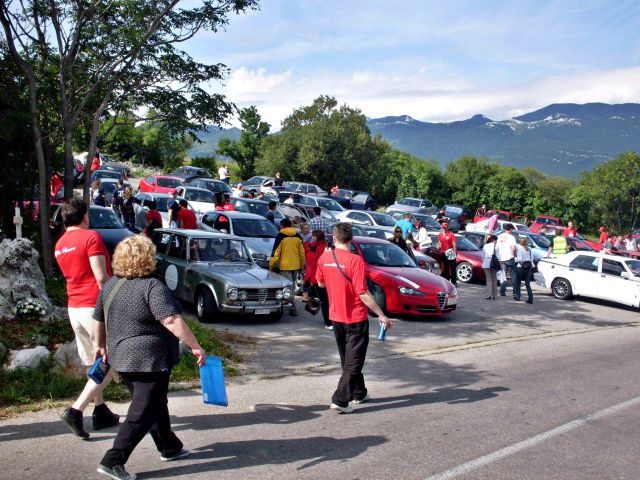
point(432, 60)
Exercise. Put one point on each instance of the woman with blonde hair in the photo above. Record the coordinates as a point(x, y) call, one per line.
point(126, 209)
point(524, 269)
point(137, 326)
point(98, 194)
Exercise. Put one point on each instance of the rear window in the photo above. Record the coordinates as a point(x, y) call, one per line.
point(199, 196)
point(169, 182)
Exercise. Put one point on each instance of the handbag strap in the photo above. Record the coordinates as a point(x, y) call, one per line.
point(338, 265)
point(107, 302)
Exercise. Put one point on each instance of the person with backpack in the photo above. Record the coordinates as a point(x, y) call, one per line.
point(491, 266)
point(154, 219)
point(524, 269)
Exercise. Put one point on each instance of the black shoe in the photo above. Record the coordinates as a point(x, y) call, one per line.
point(517, 299)
point(104, 418)
point(117, 472)
point(530, 300)
point(488, 298)
point(73, 419)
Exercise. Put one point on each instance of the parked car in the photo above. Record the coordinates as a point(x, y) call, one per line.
point(574, 243)
point(328, 214)
point(458, 216)
point(482, 226)
point(367, 218)
point(258, 233)
point(159, 184)
point(201, 199)
point(398, 285)
point(550, 232)
point(254, 183)
point(281, 196)
point(109, 185)
point(101, 219)
point(141, 207)
point(102, 174)
point(259, 207)
point(358, 199)
point(323, 202)
point(343, 201)
point(188, 173)
point(210, 184)
point(538, 244)
point(544, 221)
point(468, 261)
point(116, 167)
point(591, 274)
point(216, 272)
point(477, 238)
point(298, 215)
point(429, 222)
point(502, 215)
point(417, 205)
point(304, 188)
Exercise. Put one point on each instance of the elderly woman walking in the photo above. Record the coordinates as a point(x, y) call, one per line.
point(137, 327)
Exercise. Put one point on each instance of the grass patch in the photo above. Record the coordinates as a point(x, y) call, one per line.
point(21, 333)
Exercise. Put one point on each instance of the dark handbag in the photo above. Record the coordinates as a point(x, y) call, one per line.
point(495, 263)
point(312, 306)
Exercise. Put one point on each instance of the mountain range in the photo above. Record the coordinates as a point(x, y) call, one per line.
point(560, 139)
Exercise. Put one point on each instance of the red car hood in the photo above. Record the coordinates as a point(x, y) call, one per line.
point(414, 278)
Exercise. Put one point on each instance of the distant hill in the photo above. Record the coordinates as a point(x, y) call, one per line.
point(210, 139)
point(560, 139)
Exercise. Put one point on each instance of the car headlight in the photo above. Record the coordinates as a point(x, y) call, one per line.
point(242, 295)
point(259, 256)
point(233, 293)
point(287, 293)
point(410, 291)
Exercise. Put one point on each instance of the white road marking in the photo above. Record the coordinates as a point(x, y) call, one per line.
point(532, 441)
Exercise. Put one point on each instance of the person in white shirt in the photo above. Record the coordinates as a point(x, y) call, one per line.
point(524, 269)
point(238, 191)
point(423, 240)
point(630, 244)
point(506, 245)
point(223, 173)
point(490, 274)
point(290, 200)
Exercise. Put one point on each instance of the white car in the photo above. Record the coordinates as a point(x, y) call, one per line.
point(481, 226)
point(200, 199)
point(360, 217)
point(591, 274)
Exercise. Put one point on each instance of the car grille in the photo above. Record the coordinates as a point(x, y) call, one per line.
point(442, 299)
point(261, 295)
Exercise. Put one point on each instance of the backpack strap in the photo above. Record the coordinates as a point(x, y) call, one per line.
point(107, 302)
point(333, 252)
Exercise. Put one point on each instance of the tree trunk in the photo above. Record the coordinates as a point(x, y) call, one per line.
point(68, 162)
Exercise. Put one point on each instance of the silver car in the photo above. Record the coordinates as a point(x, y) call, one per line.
point(216, 272)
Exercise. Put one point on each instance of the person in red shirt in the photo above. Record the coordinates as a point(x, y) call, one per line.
point(56, 185)
point(570, 231)
point(228, 206)
point(447, 241)
point(96, 162)
point(604, 235)
point(186, 218)
point(342, 273)
point(85, 264)
point(154, 219)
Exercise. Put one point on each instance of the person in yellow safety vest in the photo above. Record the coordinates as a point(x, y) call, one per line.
point(558, 245)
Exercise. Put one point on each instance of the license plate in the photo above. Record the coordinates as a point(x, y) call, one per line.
point(262, 311)
point(452, 301)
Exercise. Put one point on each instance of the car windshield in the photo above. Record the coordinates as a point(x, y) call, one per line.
point(450, 210)
point(540, 241)
point(169, 182)
point(103, 219)
point(465, 245)
point(634, 266)
point(109, 187)
point(429, 222)
point(291, 186)
point(263, 228)
point(199, 196)
point(216, 186)
point(218, 250)
point(107, 174)
point(254, 181)
point(161, 204)
point(248, 206)
point(375, 233)
point(382, 219)
point(386, 255)
point(329, 204)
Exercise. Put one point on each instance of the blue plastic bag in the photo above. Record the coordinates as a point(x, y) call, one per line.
point(212, 380)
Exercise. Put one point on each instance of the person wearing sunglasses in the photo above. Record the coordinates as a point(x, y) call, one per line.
point(402, 243)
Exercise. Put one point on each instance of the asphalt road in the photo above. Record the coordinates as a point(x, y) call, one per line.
point(495, 392)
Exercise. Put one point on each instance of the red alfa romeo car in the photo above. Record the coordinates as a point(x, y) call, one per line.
point(159, 184)
point(398, 285)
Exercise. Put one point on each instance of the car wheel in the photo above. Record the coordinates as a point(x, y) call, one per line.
point(206, 306)
point(381, 299)
point(464, 272)
point(561, 288)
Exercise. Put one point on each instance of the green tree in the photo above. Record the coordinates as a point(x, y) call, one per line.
point(162, 147)
point(508, 189)
point(467, 178)
point(245, 151)
point(421, 178)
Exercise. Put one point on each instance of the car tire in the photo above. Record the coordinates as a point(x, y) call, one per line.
point(378, 293)
point(464, 272)
point(206, 306)
point(561, 288)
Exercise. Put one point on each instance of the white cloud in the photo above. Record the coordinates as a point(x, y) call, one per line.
point(425, 96)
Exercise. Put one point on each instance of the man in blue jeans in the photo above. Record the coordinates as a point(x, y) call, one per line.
point(506, 246)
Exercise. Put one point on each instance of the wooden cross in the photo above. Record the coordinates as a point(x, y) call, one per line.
point(17, 220)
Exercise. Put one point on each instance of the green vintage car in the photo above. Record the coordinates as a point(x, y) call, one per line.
point(216, 272)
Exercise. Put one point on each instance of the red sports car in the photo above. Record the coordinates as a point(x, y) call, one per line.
point(546, 222)
point(468, 261)
point(398, 285)
point(159, 184)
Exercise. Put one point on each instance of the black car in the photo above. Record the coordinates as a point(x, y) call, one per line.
point(101, 174)
point(343, 201)
point(188, 173)
point(115, 167)
point(458, 216)
point(210, 184)
point(358, 199)
point(253, 205)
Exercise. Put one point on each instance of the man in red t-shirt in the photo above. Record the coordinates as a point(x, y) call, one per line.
point(570, 231)
point(447, 241)
point(85, 264)
point(186, 218)
point(343, 275)
point(604, 235)
point(154, 219)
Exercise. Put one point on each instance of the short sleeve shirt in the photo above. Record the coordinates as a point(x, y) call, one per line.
point(72, 253)
point(405, 225)
point(447, 240)
point(504, 244)
point(345, 305)
point(136, 340)
point(188, 218)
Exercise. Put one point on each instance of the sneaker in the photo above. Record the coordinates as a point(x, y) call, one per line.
point(73, 419)
point(104, 418)
point(328, 327)
point(117, 472)
point(339, 409)
point(183, 453)
point(365, 399)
